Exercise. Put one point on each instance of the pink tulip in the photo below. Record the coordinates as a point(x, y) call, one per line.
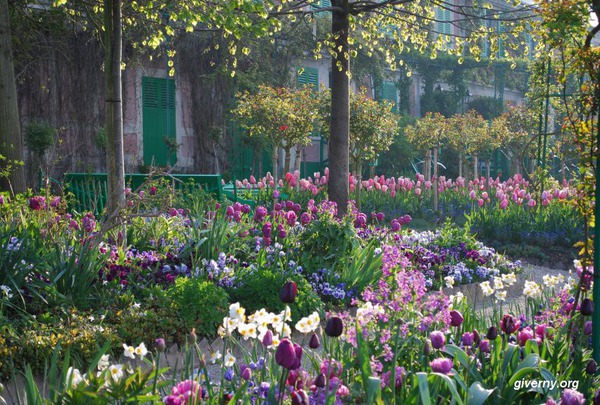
point(484, 195)
point(472, 195)
point(252, 180)
point(480, 202)
point(504, 204)
point(531, 203)
point(418, 191)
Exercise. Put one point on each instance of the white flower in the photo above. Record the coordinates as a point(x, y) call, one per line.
point(129, 351)
point(229, 360)
point(141, 350)
point(237, 312)
point(116, 371)
point(247, 330)
point(500, 295)
point(498, 284)
point(214, 356)
point(377, 251)
point(532, 289)
point(308, 324)
point(509, 279)
point(6, 291)
point(230, 325)
point(486, 288)
point(74, 377)
point(103, 362)
point(449, 281)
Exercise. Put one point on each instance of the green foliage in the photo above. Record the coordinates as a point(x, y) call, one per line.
point(40, 137)
point(33, 341)
point(199, 304)
point(488, 107)
point(72, 269)
point(325, 240)
point(260, 288)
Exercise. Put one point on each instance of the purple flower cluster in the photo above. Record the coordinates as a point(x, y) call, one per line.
point(328, 289)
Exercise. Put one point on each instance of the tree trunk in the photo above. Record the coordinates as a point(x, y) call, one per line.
point(114, 106)
point(427, 166)
point(358, 183)
point(287, 161)
point(475, 167)
point(460, 165)
point(340, 110)
point(488, 169)
point(11, 139)
point(275, 161)
point(298, 162)
point(435, 179)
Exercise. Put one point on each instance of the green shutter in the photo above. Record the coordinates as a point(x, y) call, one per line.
point(309, 76)
point(500, 44)
point(158, 115)
point(387, 91)
point(443, 19)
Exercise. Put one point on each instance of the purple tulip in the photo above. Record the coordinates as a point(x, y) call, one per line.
point(442, 365)
point(267, 229)
point(291, 218)
point(572, 397)
point(320, 381)
point(509, 324)
point(314, 341)
point(267, 338)
point(484, 346)
point(289, 292)
point(587, 307)
point(285, 355)
point(300, 397)
point(492, 333)
point(456, 318)
point(298, 358)
point(281, 233)
point(438, 339)
point(467, 339)
point(334, 327)
point(245, 373)
point(160, 344)
point(587, 329)
point(395, 225)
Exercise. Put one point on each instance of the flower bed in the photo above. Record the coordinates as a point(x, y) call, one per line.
point(366, 295)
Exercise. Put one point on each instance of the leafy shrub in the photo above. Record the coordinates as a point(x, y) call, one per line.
point(40, 137)
point(326, 239)
point(33, 341)
point(199, 304)
point(260, 289)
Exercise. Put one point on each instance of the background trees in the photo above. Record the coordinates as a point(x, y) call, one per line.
point(282, 117)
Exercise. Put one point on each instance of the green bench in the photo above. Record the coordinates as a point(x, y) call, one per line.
point(90, 189)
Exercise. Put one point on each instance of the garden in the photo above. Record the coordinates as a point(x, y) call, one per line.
point(288, 303)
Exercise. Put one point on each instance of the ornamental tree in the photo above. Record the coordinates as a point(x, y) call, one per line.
point(429, 134)
point(283, 117)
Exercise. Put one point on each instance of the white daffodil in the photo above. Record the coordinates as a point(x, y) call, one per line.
point(74, 377)
point(486, 288)
point(214, 356)
point(116, 372)
point(532, 289)
point(498, 284)
point(509, 279)
point(103, 362)
point(6, 291)
point(237, 312)
point(449, 281)
point(141, 350)
point(129, 351)
point(501, 295)
point(229, 360)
